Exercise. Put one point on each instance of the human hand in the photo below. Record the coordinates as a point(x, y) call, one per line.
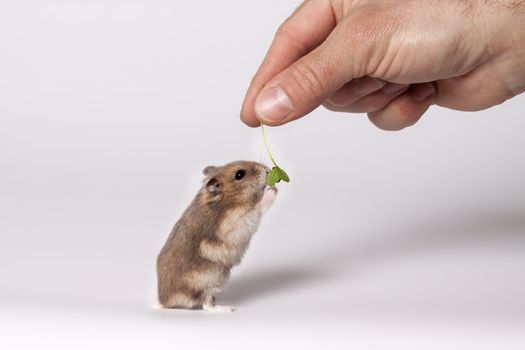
point(391, 59)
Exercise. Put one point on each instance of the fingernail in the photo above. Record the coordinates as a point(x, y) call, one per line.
point(273, 105)
point(422, 91)
point(367, 86)
point(392, 88)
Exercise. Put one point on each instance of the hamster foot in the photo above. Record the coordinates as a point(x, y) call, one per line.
point(218, 308)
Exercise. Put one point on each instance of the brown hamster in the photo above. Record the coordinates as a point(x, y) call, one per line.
point(212, 235)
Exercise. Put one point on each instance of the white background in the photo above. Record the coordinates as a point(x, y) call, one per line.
point(110, 109)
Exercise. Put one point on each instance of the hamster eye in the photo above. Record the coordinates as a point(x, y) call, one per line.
point(239, 174)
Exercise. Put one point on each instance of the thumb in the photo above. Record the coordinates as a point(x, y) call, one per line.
point(308, 82)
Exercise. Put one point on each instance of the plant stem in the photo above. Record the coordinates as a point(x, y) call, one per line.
point(266, 145)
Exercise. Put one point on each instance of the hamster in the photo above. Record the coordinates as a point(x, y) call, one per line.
point(212, 235)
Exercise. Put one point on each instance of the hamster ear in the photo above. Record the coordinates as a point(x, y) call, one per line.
point(213, 186)
point(208, 170)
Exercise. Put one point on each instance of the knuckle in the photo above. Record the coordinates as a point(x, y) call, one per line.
point(407, 119)
point(405, 113)
point(286, 33)
point(331, 107)
point(307, 81)
point(369, 35)
point(376, 120)
point(383, 122)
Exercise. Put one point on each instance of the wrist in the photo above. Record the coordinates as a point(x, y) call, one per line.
point(504, 23)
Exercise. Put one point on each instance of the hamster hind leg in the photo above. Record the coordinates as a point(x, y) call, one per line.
point(218, 308)
point(181, 300)
point(157, 306)
point(210, 306)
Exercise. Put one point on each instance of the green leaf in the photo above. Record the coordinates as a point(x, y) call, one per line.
point(276, 175)
point(272, 178)
point(282, 174)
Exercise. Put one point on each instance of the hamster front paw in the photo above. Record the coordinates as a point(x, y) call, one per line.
point(270, 193)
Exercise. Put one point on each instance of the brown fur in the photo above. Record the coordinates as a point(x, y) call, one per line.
point(211, 236)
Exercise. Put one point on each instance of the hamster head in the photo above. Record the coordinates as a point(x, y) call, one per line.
point(240, 183)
